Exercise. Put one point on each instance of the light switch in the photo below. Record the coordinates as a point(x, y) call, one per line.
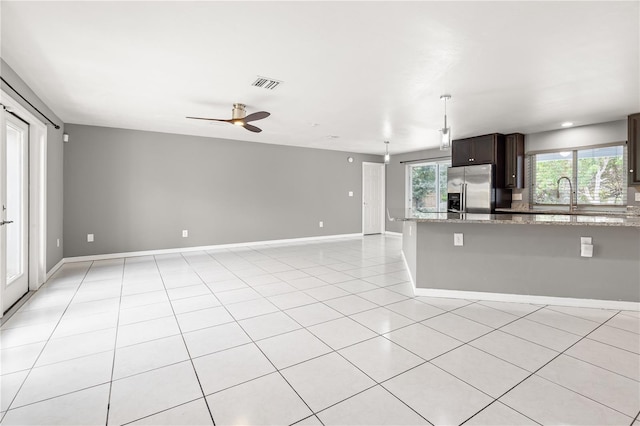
point(321, 224)
point(89, 238)
point(350, 193)
point(458, 239)
point(637, 196)
point(586, 240)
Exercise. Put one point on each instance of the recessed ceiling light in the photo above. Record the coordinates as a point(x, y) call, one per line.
point(567, 124)
point(315, 124)
point(332, 136)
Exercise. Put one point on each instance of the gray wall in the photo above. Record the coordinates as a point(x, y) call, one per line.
point(138, 190)
point(54, 162)
point(541, 260)
point(573, 137)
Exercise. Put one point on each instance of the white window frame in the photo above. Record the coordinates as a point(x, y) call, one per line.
point(408, 181)
point(574, 177)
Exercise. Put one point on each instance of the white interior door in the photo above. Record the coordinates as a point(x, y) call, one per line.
point(372, 198)
point(14, 217)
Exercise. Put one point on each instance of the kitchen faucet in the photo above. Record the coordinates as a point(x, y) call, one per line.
point(571, 205)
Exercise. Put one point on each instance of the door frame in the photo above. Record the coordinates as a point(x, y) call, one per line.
point(383, 223)
point(408, 184)
point(37, 191)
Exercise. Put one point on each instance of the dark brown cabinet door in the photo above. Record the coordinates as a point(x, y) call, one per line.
point(514, 161)
point(462, 152)
point(633, 148)
point(484, 150)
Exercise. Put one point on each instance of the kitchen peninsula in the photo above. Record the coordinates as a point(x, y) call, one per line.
point(532, 258)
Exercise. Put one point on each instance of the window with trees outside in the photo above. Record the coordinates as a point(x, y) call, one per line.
point(596, 173)
point(427, 186)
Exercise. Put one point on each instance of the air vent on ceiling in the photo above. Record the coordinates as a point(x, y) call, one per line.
point(266, 83)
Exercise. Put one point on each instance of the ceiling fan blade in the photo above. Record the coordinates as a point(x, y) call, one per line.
point(252, 128)
point(209, 119)
point(256, 116)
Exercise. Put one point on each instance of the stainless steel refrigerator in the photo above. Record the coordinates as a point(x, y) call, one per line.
point(470, 189)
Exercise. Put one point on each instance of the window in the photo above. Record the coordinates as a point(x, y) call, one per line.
point(596, 173)
point(427, 186)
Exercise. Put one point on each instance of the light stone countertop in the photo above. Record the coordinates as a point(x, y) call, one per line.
point(523, 219)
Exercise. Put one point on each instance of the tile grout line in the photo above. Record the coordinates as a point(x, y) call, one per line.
point(263, 354)
point(557, 384)
point(376, 383)
point(115, 343)
point(175, 317)
point(538, 369)
point(45, 345)
point(377, 335)
point(250, 257)
point(332, 351)
point(509, 362)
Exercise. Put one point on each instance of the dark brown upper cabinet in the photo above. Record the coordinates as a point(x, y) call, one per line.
point(633, 149)
point(514, 161)
point(486, 149)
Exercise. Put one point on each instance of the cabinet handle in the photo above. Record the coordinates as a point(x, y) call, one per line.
point(513, 176)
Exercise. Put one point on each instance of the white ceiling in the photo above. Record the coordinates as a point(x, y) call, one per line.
point(363, 71)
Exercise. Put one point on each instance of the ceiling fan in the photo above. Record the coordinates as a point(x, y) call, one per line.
point(239, 117)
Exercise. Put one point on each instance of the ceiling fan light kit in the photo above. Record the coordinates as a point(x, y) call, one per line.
point(239, 117)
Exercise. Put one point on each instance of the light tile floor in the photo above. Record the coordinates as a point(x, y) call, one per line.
point(316, 333)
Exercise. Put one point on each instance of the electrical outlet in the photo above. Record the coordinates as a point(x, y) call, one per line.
point(586, 240)
point(637, 197)
point(586, 250)
point(321, 224)
point(185, 233)
point(517, 197)
point(350, 193)
point(458, 239)
point(89, 238)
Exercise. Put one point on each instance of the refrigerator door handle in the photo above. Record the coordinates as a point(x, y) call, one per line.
point(463, 196)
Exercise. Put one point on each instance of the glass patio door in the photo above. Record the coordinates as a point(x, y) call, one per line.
point(14, 215)
point(427, 187)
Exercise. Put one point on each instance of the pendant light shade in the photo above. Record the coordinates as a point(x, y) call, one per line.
point(387, 157)
point(445, 132)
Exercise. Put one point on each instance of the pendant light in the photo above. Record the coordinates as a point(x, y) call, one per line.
point(445, 132)
point(387, 157)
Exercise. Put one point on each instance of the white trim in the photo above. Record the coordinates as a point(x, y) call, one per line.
point(393, 234)
point(406, 265)
point(37, 191)
point(383, 223)
point(523, 298)
point(55, 269)
point(200, 248)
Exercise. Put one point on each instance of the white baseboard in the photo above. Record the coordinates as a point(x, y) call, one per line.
point(523, 298)
point(54, 269)
point(393, 234)
point(201, 248)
